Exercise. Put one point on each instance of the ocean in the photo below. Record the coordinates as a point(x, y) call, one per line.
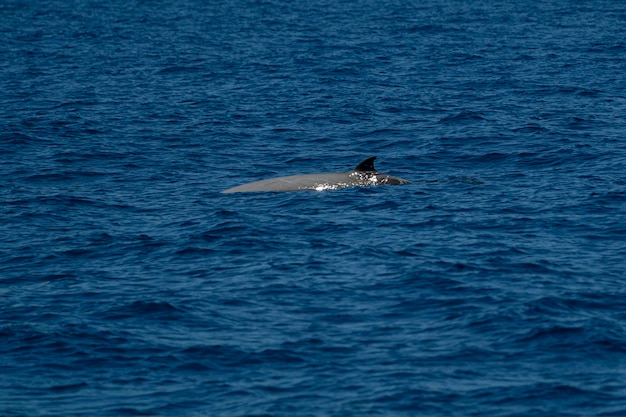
point(492, 285)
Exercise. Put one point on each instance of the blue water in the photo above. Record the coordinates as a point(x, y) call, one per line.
point(493, 285)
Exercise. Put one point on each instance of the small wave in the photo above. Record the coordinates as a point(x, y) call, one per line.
point(156, 309)
point(68, 388)
point(180, 69)
point(531, 129)
point(463, 117)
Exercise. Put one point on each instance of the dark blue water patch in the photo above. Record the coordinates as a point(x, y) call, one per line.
point(491, 285)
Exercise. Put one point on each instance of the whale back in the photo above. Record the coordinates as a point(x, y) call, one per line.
point(363, 175)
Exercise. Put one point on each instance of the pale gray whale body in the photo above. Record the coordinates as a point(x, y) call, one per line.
point(364, 175)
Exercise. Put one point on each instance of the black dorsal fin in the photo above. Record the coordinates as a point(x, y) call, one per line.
point(367, 165)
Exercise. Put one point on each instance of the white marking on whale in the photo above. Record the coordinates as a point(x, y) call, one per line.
point(364, 175)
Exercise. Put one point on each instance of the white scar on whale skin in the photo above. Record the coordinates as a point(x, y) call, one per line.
point(364, 175)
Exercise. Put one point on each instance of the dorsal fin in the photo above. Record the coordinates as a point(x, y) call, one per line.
point(367, 165)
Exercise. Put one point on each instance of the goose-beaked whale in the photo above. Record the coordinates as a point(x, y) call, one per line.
point(364, 175)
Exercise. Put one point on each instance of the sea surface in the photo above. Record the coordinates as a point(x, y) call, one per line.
point(492, 285)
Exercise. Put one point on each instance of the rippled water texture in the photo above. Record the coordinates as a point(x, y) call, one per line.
point(492, 285)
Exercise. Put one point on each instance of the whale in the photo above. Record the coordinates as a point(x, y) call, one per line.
point(364, 175)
